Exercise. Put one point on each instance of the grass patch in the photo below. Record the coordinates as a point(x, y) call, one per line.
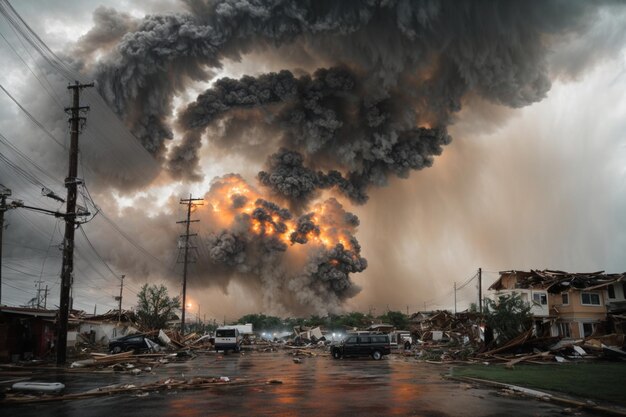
point(603, 381)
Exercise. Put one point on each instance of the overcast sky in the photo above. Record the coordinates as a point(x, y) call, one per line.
point(538, 185)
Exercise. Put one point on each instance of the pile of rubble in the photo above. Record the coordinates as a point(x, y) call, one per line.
point(128, 362)
point(446, 338)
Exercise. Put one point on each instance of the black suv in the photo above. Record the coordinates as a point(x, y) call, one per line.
point(362, 344)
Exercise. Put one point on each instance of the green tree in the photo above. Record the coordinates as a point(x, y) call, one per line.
point(262, 322)
point(356, 319)
point(155, 307)
point(508, 316)
point(315, 320)
point(398, 319)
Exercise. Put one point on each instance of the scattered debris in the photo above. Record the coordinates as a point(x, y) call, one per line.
point(43, 387)
point(13, 397)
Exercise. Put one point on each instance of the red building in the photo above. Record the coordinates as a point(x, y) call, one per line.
point(25, 333)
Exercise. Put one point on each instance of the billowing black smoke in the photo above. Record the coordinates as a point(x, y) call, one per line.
point(392, 76)
point(434, 51)
point(308, 259)
point(331, 120)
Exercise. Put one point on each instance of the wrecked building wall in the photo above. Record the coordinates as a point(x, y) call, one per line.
point(106, 331)
point(577, 310)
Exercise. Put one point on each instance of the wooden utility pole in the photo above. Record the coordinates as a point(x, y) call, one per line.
point(4, 193)
point(455, 298)
point(119, 314)
point(71, 183)
point(39, 290)
point(189, 202)
point(45, 298)
point(480, 290)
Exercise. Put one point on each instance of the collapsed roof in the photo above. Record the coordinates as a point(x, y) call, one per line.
point(557, 281)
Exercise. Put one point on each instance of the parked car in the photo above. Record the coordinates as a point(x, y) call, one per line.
point(135, 342)
point(375, 345)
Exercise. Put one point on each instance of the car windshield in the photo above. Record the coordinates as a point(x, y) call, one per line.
point(225, 333)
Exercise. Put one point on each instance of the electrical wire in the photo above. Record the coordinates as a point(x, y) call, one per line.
point(4, 140)
point(51, 91)
point(32, 118)
point(126, 153)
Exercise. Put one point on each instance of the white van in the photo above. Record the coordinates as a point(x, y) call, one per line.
point(228, 338)
point(401, 339)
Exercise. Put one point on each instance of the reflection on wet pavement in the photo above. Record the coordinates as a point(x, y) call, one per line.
point(319, 386)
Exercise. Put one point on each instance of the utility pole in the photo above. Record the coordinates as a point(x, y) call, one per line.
point(480, 290)
point(189, 202)
point(71, 183)
point(119, 315)
point(455, 298)
point(4, 193)
point(39, 290)
point(45, 297)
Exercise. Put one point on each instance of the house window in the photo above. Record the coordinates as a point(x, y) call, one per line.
point(590, 299)
point(565, 298)
point(564, 330)
point(588, 329)
point(540, 298)
point(611, 290)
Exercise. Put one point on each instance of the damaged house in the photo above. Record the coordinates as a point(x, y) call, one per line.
point(103, 328)
point(570, 305)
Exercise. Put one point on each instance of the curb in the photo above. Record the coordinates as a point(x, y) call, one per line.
point(542, 395)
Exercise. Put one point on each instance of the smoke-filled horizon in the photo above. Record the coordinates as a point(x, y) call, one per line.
point(330, 108)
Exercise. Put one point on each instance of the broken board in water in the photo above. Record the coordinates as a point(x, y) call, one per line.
point(51, 387)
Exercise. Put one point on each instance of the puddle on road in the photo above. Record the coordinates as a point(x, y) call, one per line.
point(318, 386)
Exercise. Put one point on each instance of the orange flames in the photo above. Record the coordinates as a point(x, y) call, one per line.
point(231, 197)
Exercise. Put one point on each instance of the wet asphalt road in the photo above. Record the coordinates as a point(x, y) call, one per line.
point(318, 386)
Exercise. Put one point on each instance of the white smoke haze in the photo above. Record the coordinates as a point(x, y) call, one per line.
point(533, 177)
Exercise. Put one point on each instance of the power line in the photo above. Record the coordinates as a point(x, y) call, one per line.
point(134, 243)
point(94, 250)
point(51, 91)
point(14, 149)
point(467, 282)
point(16, 288)
point(82, 230)
point(32, 118)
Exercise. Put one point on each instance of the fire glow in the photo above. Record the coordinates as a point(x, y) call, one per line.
point(234, 199)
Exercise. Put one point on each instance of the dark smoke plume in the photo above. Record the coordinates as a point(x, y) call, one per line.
point(308, 259)
point(394, 74)
point(435, 50)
